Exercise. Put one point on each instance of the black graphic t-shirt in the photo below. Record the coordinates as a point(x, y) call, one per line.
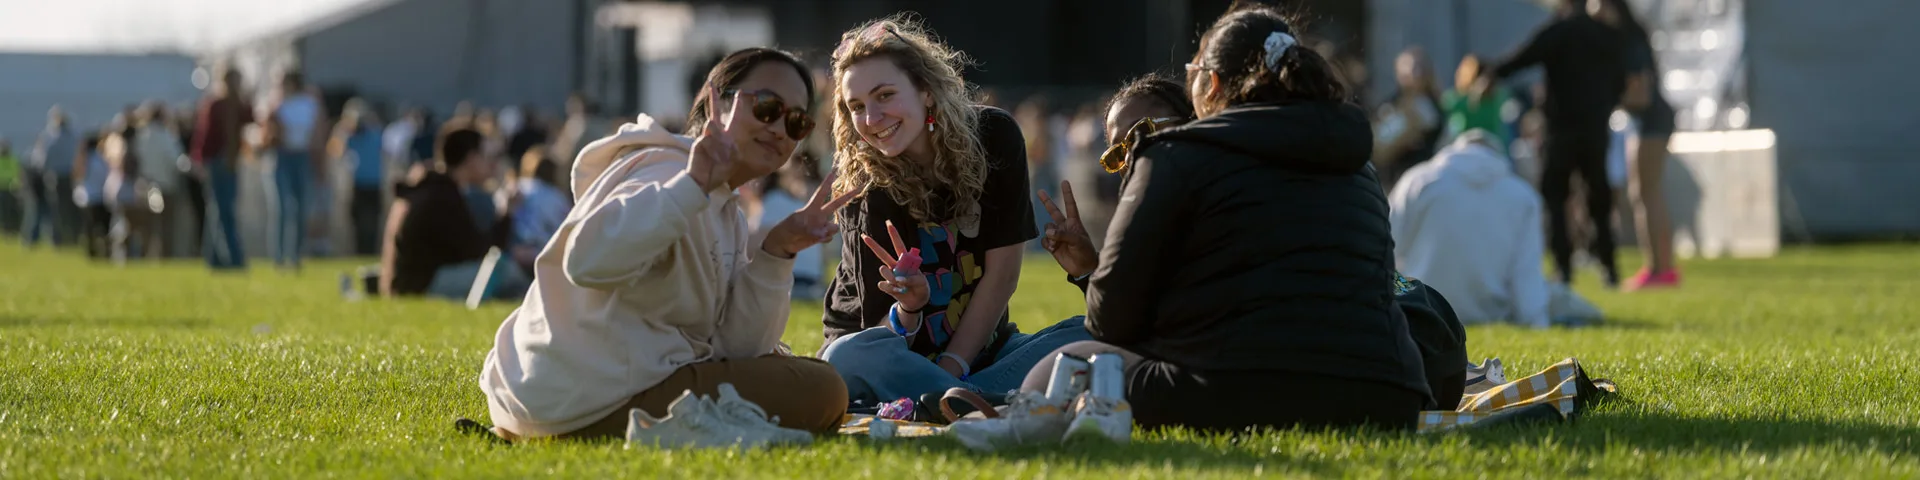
point(953, 251)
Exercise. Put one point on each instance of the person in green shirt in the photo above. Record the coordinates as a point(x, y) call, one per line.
point(1466, 112)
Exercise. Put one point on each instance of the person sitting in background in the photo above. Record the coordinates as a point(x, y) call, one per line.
point(1468, 225)
point(543, 206)
point(435, 242)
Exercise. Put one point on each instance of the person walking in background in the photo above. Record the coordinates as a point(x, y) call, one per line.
point(11, 189)
point(223, 115)
point(1585, 75)
point(357, 140)
point(297, 131)
point(50, 169)
point(157, 146)
point(133, 229)
point(196, 186)
point(1409, 124)
point(89, 197)
point(396, 141)
point(1647, 162)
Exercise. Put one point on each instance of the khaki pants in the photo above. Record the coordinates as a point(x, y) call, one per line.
point(806, 393)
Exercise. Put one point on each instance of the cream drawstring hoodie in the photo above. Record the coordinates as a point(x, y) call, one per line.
point(646, 275)
point(1468, 226)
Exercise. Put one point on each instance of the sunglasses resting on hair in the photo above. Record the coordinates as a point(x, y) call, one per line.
point(1120, 152)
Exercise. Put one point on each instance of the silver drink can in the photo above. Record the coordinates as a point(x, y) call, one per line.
point(1109, 372)
point(1071, 375)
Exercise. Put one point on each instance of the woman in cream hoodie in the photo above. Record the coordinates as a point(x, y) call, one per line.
point(652, 286)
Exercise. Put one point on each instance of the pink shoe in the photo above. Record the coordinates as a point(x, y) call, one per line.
point(1646, 279)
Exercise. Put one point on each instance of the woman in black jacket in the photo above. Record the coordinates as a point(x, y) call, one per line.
point(1247, 278)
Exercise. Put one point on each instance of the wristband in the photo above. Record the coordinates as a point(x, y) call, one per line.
point(1081, 278)
point(893, 320)
point(966, 369)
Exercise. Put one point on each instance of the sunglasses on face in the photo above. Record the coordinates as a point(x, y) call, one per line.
point(769, 108)
point(1115, 158)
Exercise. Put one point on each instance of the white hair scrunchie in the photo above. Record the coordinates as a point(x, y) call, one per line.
point(1277, 44)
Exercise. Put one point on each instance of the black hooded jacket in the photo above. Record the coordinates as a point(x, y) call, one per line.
point(1257, 239)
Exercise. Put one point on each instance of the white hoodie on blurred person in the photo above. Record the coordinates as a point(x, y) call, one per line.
point(1468, 225)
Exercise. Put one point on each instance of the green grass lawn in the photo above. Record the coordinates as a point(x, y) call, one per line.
point(1806, 365)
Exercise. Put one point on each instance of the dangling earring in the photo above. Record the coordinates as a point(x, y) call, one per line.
point(929, 121)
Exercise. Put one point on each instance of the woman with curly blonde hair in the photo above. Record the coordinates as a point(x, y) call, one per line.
point(946, 185)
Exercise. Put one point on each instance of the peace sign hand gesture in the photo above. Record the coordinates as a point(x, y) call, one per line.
point(907, 286)
point(811, 225)
point(714, 153)
point(1066, 238)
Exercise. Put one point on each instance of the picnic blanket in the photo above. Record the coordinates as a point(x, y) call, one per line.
point(863, 424)
point(1557, 393)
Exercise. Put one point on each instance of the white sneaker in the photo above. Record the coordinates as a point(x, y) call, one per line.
point(696, 422)
point(1031, 418)
point(1095, 417)
point(751, 418)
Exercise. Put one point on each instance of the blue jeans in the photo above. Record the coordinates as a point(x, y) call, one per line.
point(37, 205)
point(878, 367)
point(292, 178)
point(453, 282)
point(222, 244)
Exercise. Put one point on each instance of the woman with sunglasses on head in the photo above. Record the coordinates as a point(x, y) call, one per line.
point(1249, 262)
point(919, 304)
point(1143, 106)
point(653, 286)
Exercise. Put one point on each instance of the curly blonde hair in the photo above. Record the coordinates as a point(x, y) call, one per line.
point(959, 161)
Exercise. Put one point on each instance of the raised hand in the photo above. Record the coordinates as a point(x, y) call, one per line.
point(1066, 238)
point(908, 288)
point(811, 225)
point(714, 153)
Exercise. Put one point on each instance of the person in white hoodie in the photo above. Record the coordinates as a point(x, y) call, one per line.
point(653, 285)
point(1466, 224)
